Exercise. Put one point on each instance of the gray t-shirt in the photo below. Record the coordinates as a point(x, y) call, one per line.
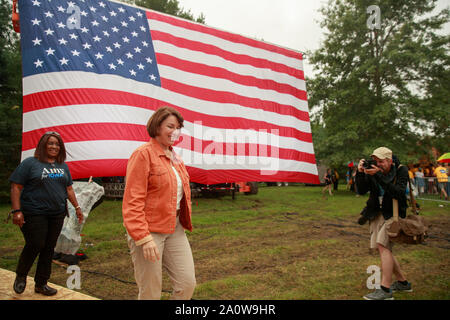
point(44, 186)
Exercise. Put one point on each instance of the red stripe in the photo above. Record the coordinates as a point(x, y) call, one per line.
point(98, 168)
point(117, 167)
point(134, 132)
point(48, 99)
point(216, 72)
point(222, 176)
point(88, 132)
point(223, 35)
point(68, 97)
point(227, 55)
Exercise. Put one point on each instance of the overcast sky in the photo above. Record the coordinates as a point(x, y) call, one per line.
point(290, 23)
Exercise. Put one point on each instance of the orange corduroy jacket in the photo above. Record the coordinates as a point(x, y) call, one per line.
point(150, 196)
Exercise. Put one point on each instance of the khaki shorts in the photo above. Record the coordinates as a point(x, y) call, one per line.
point(378, 234)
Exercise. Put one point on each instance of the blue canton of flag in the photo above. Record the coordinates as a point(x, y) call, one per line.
point(93, 36)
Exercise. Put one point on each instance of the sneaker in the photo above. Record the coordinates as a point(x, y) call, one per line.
point(379, 294)
point(398, 287)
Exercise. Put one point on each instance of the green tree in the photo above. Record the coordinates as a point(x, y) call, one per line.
point(10, 99)
point(168, 6)
point(382, 86)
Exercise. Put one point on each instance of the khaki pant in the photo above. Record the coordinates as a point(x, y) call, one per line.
point(175, 257)
point(378, 233)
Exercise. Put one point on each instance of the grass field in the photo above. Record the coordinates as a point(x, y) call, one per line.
point(283, 243)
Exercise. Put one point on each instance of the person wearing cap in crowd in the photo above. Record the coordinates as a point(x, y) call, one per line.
point(385, 181)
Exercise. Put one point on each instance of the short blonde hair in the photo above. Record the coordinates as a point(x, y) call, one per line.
point(159, 116)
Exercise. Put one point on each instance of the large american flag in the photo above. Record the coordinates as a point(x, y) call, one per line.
point(95, 71)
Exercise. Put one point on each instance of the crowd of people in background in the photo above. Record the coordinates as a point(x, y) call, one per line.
point(433, 179)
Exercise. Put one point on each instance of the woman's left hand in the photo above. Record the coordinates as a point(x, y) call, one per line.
point(79, 214)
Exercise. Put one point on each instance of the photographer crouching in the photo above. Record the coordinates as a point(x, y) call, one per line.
point(385, 179)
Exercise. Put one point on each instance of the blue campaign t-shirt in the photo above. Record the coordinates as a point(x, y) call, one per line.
point(44, 186)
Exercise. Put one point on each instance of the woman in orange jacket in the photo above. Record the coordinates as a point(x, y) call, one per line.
point(157, 209)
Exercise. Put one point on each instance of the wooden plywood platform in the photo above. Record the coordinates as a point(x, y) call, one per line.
point(7, 292)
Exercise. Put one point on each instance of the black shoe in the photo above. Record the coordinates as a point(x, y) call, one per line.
point(19, 284)
point(45, 290)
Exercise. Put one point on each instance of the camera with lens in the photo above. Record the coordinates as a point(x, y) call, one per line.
point(367, 164)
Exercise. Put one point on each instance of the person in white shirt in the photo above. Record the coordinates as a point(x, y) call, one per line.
point(420, 183)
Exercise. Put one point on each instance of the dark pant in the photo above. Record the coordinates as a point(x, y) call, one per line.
point(40, 233)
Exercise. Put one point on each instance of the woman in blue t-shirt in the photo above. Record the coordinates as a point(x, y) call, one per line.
point(40, 187)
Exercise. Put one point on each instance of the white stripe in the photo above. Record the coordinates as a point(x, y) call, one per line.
point(95, 150)
point(82, 114)
point(79, 114)
point(75, 79)
point(103, 150)
point(217, 61)
point(237, 48)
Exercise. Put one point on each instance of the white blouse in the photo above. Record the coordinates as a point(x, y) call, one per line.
point(179, 187)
